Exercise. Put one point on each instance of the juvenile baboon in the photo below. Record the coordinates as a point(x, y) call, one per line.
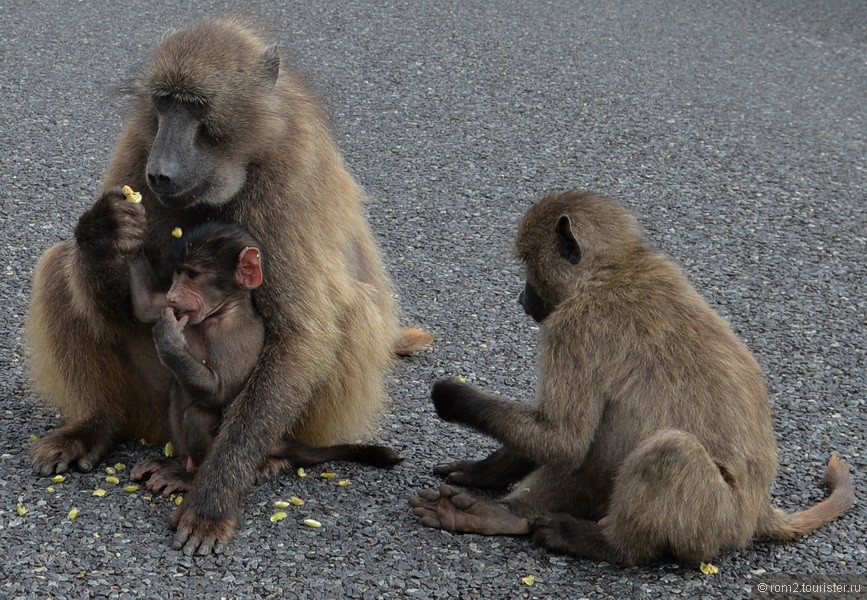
point(218, 129)
point(651, 432)
point(209, 336)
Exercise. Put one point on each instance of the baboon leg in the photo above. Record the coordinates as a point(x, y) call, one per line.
point(497, 471)
point(453, 510)
point(669, 499)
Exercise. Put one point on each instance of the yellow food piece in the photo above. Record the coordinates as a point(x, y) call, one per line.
point(143, 442)
point(58, 479)
point(50, 489)
point(281, 504)
point(33, 438)
point(119, 466)
point(19, 508)
point(708, 569)
point(169, 449)
point(344, 482)
point(329, 475)
point(178, 499)
point(302, 472)
point(278, 516)
point(462, 379)
point(99, 493)
point(312, 523)
point(130, 488)
point(72, 514)
point(177, 232)
point(295, 500)
point(131, 196)
point(112, 479)
point(110, 470)
point(528, 580)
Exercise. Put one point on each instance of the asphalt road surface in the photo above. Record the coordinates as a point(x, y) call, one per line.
point(735, 130)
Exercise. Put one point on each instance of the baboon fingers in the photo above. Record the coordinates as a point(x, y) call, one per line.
point(432, 521)
point(428, 495)
point(447, 491)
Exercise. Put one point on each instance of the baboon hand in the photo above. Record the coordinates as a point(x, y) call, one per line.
point(168, 332)
point(201, 535)
point(451, 397)
point(113, 226)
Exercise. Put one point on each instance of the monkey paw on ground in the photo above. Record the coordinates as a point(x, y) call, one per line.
point(166, 476)
point(199, 535)
point(81, 445)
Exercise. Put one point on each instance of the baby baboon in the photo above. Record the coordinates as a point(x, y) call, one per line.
point(219, 129)
point(209, 336)
point(651, 433)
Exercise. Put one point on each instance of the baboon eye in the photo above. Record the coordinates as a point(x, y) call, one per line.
point(192, 274)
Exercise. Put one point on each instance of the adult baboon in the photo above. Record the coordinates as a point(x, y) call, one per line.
point(651, 432)
point(219, 129)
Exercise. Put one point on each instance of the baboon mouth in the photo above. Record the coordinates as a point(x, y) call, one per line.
point(185, 199)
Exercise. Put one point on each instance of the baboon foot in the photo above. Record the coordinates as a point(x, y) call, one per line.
point(167, 476)
point(83, 445)
point(565, 534)
point(453, 510)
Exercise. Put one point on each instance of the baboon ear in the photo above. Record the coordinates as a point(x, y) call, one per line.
point(272, 66)
point(248, 272)
point(567, 244)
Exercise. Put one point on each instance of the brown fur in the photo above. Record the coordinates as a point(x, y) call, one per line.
point(330, 334)
point(651, 430)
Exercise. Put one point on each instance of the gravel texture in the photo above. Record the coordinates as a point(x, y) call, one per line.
point(735, 130)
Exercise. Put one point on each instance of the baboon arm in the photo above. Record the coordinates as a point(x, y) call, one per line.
point(529, 430)
point(106, 236)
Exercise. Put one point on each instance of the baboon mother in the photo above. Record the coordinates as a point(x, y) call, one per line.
point(218, 130)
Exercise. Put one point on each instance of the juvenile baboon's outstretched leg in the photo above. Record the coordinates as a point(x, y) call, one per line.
point(498, 470)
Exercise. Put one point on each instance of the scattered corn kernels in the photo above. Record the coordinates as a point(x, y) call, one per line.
point(72, 514)
point(19, 508)
point(112, 479)
point(278, 516)
point(58, 479)
point(301, 472)
point(312, 523)
point(344, 483)
point(130, 488)
point(329, 475)
point(296, 501)
point(528, 580)
point(169, 450)
point(177, 232)
point(99, 493)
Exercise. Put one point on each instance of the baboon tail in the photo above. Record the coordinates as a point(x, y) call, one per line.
point(412, 340)
point(779, 525)
point(302, 455)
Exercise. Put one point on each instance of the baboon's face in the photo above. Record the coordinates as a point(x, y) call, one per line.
point(549, 261)
point(206, 110)
point(533, 304)
point(187, 165)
